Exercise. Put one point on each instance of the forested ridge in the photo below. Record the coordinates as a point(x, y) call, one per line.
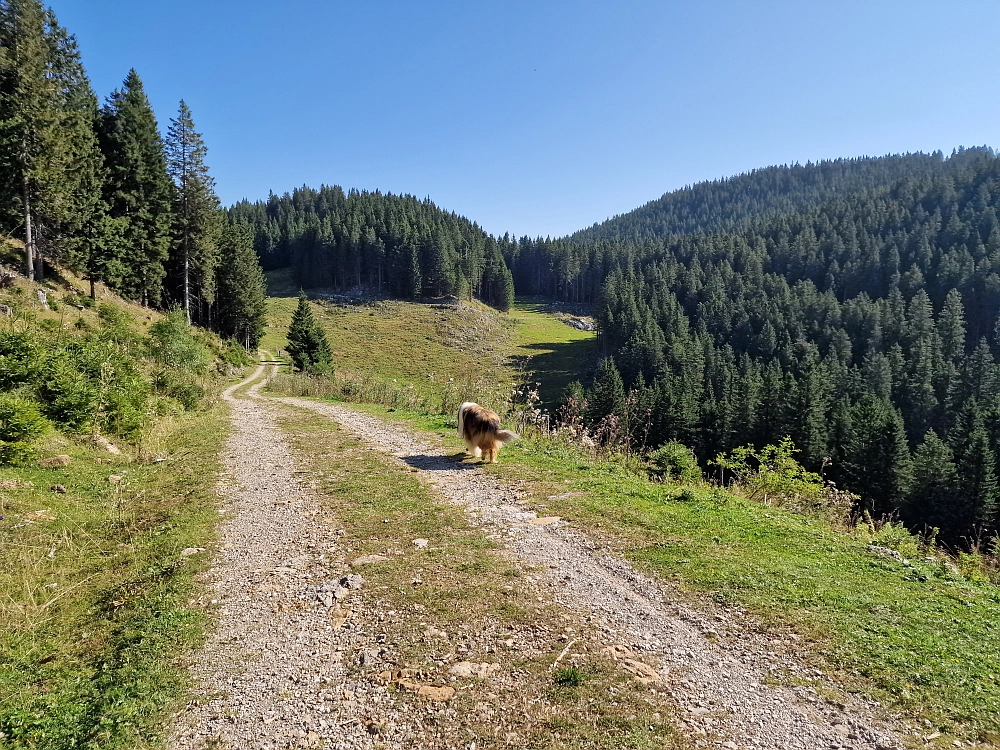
point(734, 203)
point(99, 189)
point(866, 329)
point(389, 244)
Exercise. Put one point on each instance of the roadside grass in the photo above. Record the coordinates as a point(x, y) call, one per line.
point(555, 353)
point(463, 586)
point(93, 590)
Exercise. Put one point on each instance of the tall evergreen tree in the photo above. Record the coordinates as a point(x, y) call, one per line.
point(49, 162)
point(242, 291)
point(138, 189)
point(195, 252)
point(878, 459)
point(307, 344)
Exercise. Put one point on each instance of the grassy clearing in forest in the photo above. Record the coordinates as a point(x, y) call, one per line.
point(437, 351)
point(93, 590)
point(468, 589)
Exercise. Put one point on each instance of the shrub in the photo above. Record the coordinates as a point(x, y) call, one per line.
point(771, 475)
point(892, 534)
point(68, 396)
point(234, 354)
point(181, 386)
point(172, 343)
point(20, 424)
point(675, 461)
point(20, 359)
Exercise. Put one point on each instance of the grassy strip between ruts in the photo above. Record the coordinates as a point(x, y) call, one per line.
point(93, 588)
point(914, 635)
point(463, 586)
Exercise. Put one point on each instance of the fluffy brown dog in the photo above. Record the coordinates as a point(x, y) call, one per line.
point(479, 427)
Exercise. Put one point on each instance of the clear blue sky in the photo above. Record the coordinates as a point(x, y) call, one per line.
point(544, 117)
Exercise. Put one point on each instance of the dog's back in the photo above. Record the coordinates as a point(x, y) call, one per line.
point(479, 427)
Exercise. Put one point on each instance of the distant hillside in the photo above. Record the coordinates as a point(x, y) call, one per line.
point(391, 244)
point(732, 203)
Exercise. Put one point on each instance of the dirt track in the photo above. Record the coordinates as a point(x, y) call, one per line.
point(716, 665)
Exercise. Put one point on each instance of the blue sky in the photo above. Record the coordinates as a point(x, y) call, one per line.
point(538, 117)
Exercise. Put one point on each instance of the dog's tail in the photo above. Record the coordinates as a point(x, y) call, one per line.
point(505, 436)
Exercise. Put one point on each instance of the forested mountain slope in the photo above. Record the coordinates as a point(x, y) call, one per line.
point(735, 202)
point(394, 244)
point(574, 268)
point(867, 329)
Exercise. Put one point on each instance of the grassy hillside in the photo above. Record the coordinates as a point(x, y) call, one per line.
point(94, 587)
point(918, 635)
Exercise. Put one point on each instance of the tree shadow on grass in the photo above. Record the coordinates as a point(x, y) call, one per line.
point(557, 365)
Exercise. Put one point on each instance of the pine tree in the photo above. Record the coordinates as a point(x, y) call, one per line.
point(607, 397)
point(138, 189)
point(934, 483)
point(50, 166)
point(242, 290)
point(877, 463)
point(307, 344)
point(195, 252)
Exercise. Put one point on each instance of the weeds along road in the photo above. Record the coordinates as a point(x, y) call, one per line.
point(316, 648)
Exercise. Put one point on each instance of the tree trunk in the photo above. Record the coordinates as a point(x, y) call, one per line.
point(93, 290)
point(29, 240)
point(187, 282)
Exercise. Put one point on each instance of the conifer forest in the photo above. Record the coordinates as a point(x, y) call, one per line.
point(851, 305)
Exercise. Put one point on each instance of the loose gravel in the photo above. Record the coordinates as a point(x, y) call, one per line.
point(274, 674)
point(724, 673)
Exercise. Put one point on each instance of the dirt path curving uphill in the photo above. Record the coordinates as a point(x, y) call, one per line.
point(719, 668)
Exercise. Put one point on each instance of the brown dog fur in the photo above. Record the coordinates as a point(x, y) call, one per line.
point(479, 427)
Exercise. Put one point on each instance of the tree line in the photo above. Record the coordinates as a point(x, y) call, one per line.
point(100, 191)
point(866, 328)
point(389, 244)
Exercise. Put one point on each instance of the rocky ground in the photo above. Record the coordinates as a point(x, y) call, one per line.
point(281, 667)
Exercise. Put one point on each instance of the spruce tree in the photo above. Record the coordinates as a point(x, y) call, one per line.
point(877, 462)
point(138, 189)
point(242, 291)
point(50, 166)
point(934, 486)
point(195, 252)
point(607, 397)
point(307, 344)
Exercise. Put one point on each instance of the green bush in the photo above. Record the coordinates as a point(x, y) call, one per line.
point(20, 359)
point(173, 344)
point(20, 424)
point(234, 354)
point(675, 461)
point(68, 396)
point(898, 537)
point(772, 476)
point(181, 386)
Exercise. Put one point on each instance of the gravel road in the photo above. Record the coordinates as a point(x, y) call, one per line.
point(273, 674)
point(722, 671)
